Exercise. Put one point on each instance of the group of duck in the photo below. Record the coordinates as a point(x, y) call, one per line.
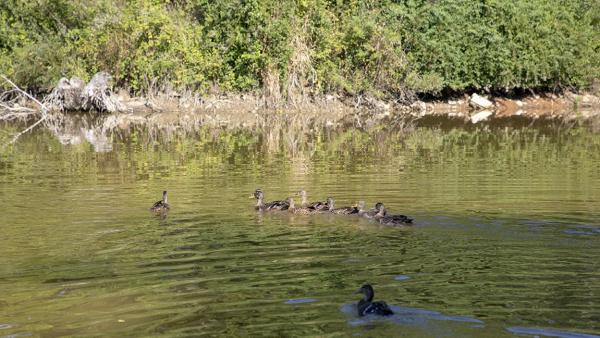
point(378, 213)
point(306, 208)
point(365, 306)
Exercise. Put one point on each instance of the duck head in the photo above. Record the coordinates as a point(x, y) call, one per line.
point(259, 195)
point(367, 291)
point(380, 209)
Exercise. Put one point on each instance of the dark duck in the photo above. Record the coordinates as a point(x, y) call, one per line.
point(384, 218)
point(162, 205)
point(312, 205)
point(274, 205)
point(367, 306)
point(340, 211)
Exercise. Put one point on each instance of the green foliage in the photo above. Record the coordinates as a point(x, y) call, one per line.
point(499, 44)
point(142, 45)
point(375, 47)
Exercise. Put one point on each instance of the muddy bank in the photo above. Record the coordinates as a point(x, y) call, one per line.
point(248, 111)
point(172, 110)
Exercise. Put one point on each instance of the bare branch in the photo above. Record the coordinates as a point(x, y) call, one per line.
point(43, 110)
point(42, 106)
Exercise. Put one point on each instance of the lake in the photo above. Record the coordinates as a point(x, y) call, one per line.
point(505, 243)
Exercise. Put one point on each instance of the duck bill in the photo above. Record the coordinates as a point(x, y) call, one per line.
point(251, 196)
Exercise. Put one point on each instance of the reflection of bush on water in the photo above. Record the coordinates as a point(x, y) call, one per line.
point(293, 129)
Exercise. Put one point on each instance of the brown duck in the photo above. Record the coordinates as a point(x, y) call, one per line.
point(340, 211)
point(262, 206)
point(162, 205)
point(311, 205)
point(299, 211)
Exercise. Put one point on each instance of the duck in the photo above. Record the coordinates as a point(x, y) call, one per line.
point(311, 205)
point(274, 205)
point(383, 218)
point(368, 213)
point(340, 211)
point(162, 205)
point(367, 306)
point(301, 210)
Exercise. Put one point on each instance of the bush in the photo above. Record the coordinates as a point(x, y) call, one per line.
point(376, 47)
point(503, 45)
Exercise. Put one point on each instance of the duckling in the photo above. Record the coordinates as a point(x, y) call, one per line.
point(162, 205)
point(274, 205)
point(300, 211)
point(367, 306)
point(340, 211)
point(361, 208)
point(311, 205)
point(383, 218)
point(367, 213)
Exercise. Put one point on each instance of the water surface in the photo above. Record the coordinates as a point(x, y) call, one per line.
point(505, 243)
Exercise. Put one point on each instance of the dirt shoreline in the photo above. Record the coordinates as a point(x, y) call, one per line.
point(290, 126)
point(172, 110)
point(247, 111)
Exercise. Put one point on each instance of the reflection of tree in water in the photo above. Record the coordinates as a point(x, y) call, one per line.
point(74, 129)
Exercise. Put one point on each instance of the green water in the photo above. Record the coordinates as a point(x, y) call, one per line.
point(506, 238)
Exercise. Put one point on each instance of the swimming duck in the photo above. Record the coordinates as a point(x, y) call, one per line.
point(274, 205)
point(311, 205)
point(301, 210)
point(361, 208)
point(383, 218)
point(340, 211)
point(367, 306)
point(368, 213)
point(161, 205)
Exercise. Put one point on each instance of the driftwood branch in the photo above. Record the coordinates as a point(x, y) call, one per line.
point(43, 110)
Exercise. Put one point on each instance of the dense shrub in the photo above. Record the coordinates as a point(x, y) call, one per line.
point(376, 47)
point(505, 44)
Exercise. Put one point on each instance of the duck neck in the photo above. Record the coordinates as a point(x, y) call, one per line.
point(304, 200)
point(259, 202)
point(360, 208)
point(164, 199)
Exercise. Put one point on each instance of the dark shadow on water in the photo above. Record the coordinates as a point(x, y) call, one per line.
point(300, 301)
point(548, 332)
point(407, 316)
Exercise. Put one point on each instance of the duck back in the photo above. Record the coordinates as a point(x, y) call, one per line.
point(345, 211)
point(379, 308)
point(395, 220)
point(159, 206)
point(277, 205)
